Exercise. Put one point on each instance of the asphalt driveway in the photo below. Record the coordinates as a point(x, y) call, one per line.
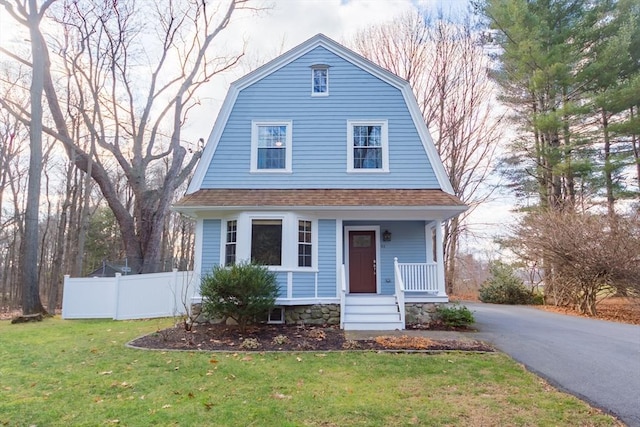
point(596, 360)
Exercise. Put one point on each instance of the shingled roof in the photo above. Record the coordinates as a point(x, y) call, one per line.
point(318, 198)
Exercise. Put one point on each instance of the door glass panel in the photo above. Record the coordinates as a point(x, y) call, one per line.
point(361, 241)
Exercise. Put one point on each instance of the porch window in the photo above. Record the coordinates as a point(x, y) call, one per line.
point(367, 146)
point(266, 241)
point(304, 244)
point(271, 147)
point(230, 246)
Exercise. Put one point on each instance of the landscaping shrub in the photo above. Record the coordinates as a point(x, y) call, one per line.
point(455, 315)
point(503, 287)
point(244, 292)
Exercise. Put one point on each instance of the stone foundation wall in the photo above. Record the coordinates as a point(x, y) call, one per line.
point(419, 312)
point(317, 314)
point(329, 314)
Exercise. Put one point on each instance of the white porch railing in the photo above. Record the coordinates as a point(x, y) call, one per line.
point(418, 277)
point(343, 294)
point(399, 291)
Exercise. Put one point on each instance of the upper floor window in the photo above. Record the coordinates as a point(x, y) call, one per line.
point(367, 146)
point(320, 80)
point(271, 147)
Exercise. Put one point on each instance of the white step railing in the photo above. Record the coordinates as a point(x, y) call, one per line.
point(399, 282)
point(343, 295)
point(419, 277)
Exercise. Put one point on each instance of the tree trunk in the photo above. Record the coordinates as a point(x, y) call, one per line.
point(31, 303)
point(608, 175)
point(635, 143)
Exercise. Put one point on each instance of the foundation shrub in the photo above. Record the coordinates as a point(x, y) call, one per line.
point(244, 292)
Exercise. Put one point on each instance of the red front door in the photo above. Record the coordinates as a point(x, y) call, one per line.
point(362, 262)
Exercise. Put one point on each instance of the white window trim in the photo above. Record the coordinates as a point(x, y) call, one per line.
point(385, 145)
point(313, 69)
point(314, 243)
point(223, 239)
point(289, 255)
point(288, 146)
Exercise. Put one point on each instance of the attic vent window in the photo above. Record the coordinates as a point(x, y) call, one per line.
point(320, 80)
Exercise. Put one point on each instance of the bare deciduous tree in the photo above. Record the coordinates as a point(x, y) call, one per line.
point(592, 255)
point(445, 64)
point(133, 109)
point(31, 15)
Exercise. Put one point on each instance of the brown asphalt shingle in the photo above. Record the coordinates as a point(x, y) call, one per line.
point(318, 197)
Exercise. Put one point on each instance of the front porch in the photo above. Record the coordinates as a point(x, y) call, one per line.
point(375, 287)
point(415, 284)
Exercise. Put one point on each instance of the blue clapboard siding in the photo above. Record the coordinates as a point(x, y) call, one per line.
point(210, 245)
point(281, 276)
point(408, 244)
point(304, 285)
point(320, 130)
point(327, 276)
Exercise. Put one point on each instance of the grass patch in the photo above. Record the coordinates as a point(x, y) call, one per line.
point(79, 373)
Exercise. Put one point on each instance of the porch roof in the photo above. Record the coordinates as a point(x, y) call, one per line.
point(321, 199)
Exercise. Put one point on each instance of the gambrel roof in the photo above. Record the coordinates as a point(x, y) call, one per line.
point(357, 60)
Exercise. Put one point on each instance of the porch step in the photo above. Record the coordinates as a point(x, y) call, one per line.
point(371, 312)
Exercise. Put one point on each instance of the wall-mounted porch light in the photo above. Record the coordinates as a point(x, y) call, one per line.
point(386, 236)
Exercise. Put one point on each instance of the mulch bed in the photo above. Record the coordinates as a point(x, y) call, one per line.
point(218, 337)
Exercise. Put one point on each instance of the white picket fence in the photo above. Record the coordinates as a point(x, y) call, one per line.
point(139, 296)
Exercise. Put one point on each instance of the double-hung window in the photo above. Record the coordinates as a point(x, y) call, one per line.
point(367, 146)
point(320, 80)
point(271, 146)
point(304, 244)
point(230, 245)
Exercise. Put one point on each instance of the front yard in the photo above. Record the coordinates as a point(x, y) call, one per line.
point(80, 373)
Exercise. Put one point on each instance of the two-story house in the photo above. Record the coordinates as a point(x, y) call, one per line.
point(320, 166)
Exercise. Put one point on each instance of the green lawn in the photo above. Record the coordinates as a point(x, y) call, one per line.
point(80, 373)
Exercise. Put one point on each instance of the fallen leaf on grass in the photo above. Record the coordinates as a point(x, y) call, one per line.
point(298, 359)
point(280, 396)
point(166, 406)
point(247, 359)
point(106, 373)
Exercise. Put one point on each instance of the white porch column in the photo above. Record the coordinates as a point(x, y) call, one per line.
point(440, 259)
